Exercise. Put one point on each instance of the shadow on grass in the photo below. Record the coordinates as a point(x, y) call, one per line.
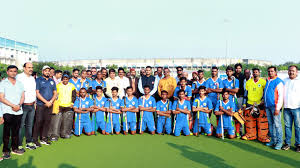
point(200, 157)
point(249, 148)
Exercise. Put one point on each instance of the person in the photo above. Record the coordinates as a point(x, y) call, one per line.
point(75, 80)
point(52, 72)
point(254, 112)
point(124, 82)
point(111, 82)
point(247, 74)
point(61, 122)
point(159, 74)
point(133, 81)
point(202, 106)
point(147, 105)
point(188, 82)
point(168, 84)
point(164, 110)
point(291, 113)
point(28, 106)
point(94, 72)
point(89, 75)
point(142, 72)
point(57, 76)
point(273, 101)
point(85, 82)
point(128, 75)
point(231, 84)
point(183, 86)
point(46, 94)
point(214, 86)
point(225, 108)
point(155, 73)
point(199, 82)
point(129, 108)
point(82, 107)
point(148, 80)
point(34, 74)
point(181, 109)
point(99, 110)
point(241, 78)
point(113, 107)
point(194, 77)
point(104, 73)
point(12, 97)
point(98, 82)
point(179, 73)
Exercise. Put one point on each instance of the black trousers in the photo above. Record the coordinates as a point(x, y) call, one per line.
point(12, 125)
point(42, 122)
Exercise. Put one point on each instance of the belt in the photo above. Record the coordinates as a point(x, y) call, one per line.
point(29, 104)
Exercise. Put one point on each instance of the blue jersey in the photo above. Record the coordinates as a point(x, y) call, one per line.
point(196, 85)
point(185, 105)
point(95, 83)
point(114, 104)
point(210, 83)
point(227, 120)
point(77, 84)
point(86, 83)
point(100, 103)
point(187, 91)
point(150, 102)
point(229, 84)
point(84, 103)
point(206, 102)
point(161, 106)
point(131, 116)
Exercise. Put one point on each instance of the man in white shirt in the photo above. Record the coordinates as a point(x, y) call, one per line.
point(111, 82)
point(124, 82)
point(28, 82)
point(291, 101)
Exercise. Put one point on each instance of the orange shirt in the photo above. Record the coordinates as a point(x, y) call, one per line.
point(167, 84)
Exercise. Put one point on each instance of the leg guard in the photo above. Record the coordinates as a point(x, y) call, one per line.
point(250, 126)
point(262, 127)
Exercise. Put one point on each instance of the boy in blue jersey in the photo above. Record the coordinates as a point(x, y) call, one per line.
point(82, 107)
point(75, 80)
point(163, 110)
point(225, 109)
point(129, 107)
point(231, 84)
point(98, 82)
point(183, 86)
point(85, 82)
point(181, 108)
point(214, 85)
point(203, 107)
point(99, 117)
point(147, 106)
point(200, 82)
point(113, 106)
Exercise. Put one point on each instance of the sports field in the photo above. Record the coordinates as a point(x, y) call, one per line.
point(153, 152)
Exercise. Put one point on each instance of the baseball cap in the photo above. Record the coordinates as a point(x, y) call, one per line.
point(66, 75)
point(46, 67)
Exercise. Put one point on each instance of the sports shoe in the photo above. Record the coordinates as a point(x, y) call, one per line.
point(45, 142)
point(30, 146)
point(37, 144)
point(21, 148)
point(53, 139)
point(298, 148)
point(285, 147)
point(278, 146)
point(238, 135)
point(270, 143)
point(6, 155)
point(17, 152)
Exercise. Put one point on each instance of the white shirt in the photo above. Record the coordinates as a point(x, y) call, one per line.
point(291, 96)
point(29, 87)
point(124, 83)
point(110, 84)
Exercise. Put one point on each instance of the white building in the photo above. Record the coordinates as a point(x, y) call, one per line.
point(17, 53)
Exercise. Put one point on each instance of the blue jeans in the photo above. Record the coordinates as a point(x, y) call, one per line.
point(275, 127)
point(27, 122)
point(290, 116)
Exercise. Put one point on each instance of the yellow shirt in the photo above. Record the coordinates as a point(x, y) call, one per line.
point(65, 94)
point(255, 90)
point(168, 85)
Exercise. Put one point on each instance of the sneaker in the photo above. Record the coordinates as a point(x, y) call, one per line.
point(45, 142)
point(270, 143)
point(278, 146)
point(21, 149)
point(37, 145)
point(30, 146)
point(17, 152)
point(298, 148)
point(6, 155)
point(238, 135)
point(285, 147)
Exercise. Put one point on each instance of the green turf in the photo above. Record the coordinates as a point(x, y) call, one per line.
point(155, 152)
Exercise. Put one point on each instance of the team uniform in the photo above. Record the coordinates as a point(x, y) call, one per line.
point(162, 120)
point(77, 84)
point(210, 83)
point(100, 120)
point(116, 118)
point(182, 119)
point(131, 116)
point(228, 122)
point(148, 119)
point(83, 119)
point(204, 120)
point(86, 83)
point(95, 83)
point(187, 91)
point(196, 85)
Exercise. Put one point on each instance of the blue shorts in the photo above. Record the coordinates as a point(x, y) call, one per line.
point(182, 125)
point(97, 123)
point(84, 123)
point(130, 126)
point(148, 124)
point(161, 124)
point(230, 130)
point(116, 127)
point(205, 126)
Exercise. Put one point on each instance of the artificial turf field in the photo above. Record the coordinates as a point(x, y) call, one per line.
point(153, 152)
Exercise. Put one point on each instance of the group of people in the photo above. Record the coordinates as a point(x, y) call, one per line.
point(59, 105)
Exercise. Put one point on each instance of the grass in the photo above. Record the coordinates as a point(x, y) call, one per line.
point(153, 151)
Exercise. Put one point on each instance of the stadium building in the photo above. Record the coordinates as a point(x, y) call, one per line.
point(17, 53)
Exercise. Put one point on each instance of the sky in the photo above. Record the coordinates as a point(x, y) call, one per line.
point(97, 29)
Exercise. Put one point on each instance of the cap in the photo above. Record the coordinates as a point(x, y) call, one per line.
point(132, 69)
point(46, 67)
point(66, 75)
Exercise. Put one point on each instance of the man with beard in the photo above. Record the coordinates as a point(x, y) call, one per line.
point(133, 80)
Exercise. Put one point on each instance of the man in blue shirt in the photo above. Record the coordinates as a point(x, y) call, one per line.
point(46, 94)
point(214, 86)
